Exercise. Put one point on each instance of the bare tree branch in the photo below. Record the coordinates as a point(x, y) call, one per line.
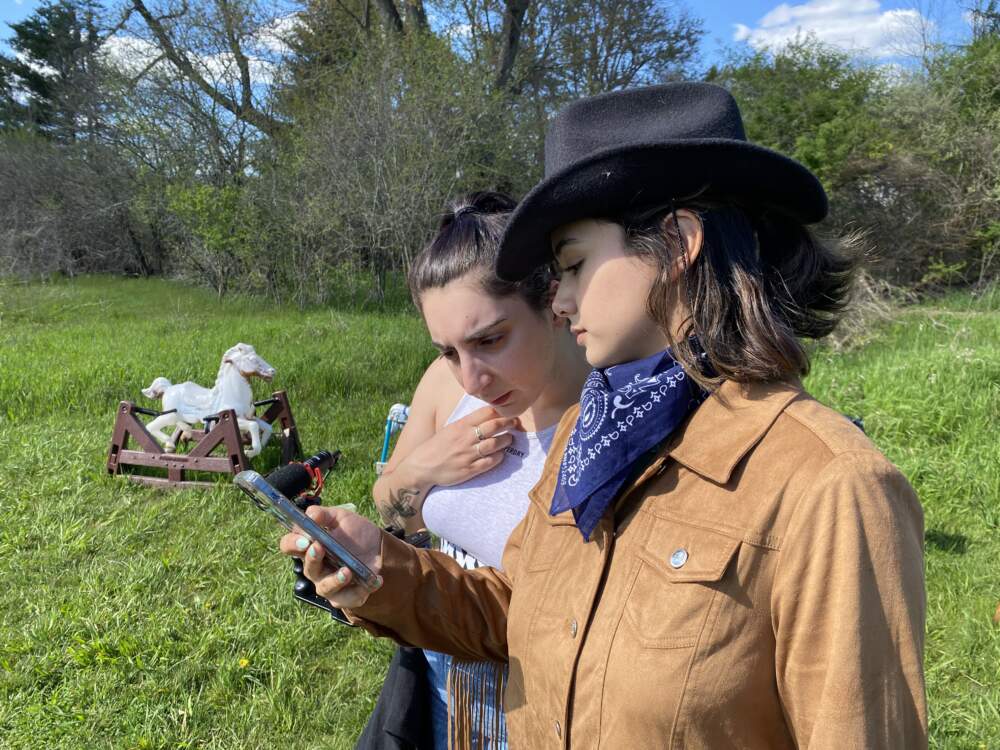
point(133, 80)
point(510, 39)
point(121, 24)
point(229, 22)
point(243, 109)
point(416, 15)
point(362, 22)
point(390, 15)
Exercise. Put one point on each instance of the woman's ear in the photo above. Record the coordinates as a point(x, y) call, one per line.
point(557, 320)
point(692, 234)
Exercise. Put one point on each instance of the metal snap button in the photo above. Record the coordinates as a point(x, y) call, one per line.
point(573, 627)
point(679, 557)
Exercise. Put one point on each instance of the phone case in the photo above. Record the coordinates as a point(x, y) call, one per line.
point(285, 512)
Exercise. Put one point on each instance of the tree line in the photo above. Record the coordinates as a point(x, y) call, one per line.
point(304, 149)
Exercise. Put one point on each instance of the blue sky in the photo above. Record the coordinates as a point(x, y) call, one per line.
point(878, 28)
point(14, 10)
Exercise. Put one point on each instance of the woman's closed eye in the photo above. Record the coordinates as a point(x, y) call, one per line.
point(489, 341)
point(574, 269)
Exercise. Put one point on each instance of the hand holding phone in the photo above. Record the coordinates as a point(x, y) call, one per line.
point(366, 539)
point(328, 553)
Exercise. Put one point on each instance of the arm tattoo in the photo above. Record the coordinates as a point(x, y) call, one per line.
point(401, 505)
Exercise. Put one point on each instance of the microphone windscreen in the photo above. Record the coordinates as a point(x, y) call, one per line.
point(322, 461)
point(290, 480)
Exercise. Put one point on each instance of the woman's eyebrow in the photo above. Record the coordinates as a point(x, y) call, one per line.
point(478, 333)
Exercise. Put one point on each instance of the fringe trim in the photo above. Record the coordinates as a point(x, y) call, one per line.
point(475, 705)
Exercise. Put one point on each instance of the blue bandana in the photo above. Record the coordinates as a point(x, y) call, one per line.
point(625, 411)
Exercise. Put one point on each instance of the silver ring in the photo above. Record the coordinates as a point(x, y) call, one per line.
point(478, 452)
point(479, 433)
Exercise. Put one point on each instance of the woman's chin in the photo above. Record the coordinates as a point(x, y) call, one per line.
point(509, 409)
point(598, 359)
point(601, 359)
point(514, 406)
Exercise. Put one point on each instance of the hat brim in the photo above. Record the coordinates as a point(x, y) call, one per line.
point(642, 176)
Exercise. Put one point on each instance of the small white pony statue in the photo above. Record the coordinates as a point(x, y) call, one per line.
point(232, 390)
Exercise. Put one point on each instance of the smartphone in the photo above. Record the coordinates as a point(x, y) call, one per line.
point(288, 514)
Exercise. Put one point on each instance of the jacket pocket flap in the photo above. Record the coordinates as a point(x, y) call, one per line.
point(685, 553)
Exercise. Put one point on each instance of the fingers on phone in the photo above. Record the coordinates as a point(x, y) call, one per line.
point(313, 562)
point(292, 544)
point(317, 513)
point(328, 586)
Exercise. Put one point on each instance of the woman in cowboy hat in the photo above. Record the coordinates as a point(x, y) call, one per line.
point(711, 558)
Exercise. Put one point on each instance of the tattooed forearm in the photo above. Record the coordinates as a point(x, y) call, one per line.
point(402, 505)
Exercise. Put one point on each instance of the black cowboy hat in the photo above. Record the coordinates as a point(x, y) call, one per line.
point(620, 153)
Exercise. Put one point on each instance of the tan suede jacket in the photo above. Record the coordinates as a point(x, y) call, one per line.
point(760, 586)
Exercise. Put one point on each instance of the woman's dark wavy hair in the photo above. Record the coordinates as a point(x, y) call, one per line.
point(467, 241)
point(761, 282)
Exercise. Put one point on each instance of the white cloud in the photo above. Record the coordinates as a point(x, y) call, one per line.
point(852, 25)
point(275, 36)
point(129, 53)
point(134, 55)
point(38, 67)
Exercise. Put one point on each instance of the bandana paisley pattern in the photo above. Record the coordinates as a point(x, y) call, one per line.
point(625, 411)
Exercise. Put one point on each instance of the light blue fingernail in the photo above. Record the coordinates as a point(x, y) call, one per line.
point(312, 552)
point(301, 542)
point(341, 577)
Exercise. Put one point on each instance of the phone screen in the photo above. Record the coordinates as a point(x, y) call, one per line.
point(288, 514)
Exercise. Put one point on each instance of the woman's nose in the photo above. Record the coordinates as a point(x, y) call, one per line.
point(562, 302)
point(475, 377)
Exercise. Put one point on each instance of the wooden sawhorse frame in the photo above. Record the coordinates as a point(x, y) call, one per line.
point(225, 433)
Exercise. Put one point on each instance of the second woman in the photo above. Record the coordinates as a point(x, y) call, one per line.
point(481, 421)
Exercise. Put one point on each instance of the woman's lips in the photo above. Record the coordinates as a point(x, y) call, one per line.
point(502, 400)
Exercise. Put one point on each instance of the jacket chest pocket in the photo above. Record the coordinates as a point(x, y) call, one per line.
point(680, 568)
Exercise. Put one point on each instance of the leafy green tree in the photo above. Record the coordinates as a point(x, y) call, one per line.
point(810, 101)
point(325, 41)
point(985, 18)
point(49, 84)
point(910, 160)
point(218, 223)
point(960, 143)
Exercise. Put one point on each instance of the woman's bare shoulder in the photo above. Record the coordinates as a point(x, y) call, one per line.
point(437, 393)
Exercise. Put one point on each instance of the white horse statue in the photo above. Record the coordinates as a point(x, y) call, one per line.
point(189, 403)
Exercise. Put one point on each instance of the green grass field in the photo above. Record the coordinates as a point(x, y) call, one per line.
point(137, 618)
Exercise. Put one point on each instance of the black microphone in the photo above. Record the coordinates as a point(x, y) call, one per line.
point(291, 480)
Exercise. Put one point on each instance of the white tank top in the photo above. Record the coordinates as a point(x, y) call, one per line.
point(475, 518)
